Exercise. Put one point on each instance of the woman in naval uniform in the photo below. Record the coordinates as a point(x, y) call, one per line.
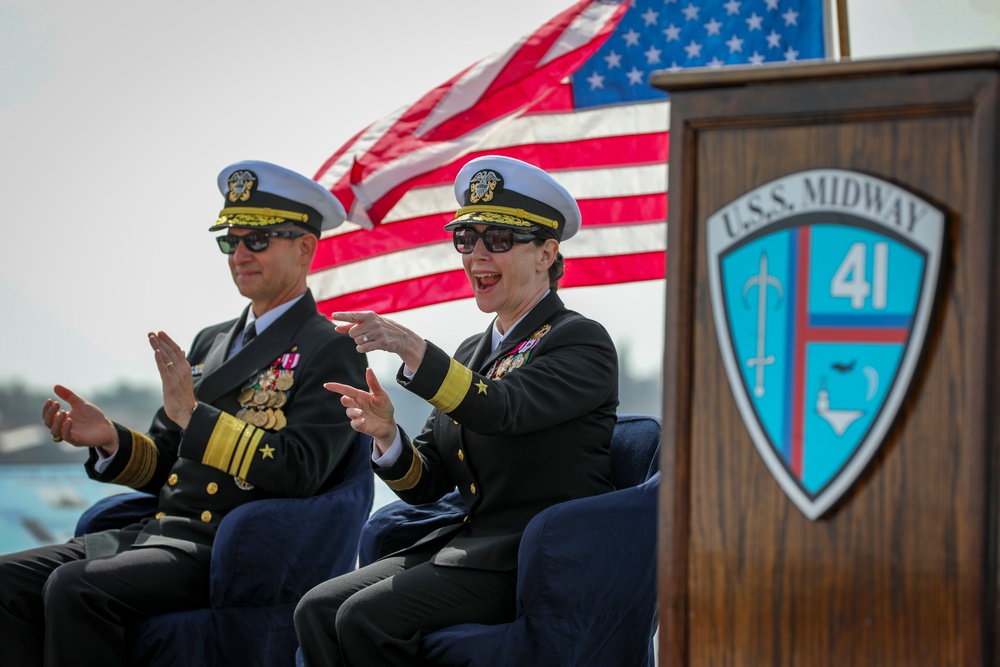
point(523, 416)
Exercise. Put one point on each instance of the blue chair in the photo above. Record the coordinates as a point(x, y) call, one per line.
point(586, 589)
point(267, 554)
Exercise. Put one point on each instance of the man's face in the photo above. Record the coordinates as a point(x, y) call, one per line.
point(274, 275)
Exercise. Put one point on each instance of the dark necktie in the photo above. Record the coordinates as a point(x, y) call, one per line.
point(249, 333)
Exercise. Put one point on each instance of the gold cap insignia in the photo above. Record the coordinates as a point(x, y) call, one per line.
point(483, 184)
point(240, 184)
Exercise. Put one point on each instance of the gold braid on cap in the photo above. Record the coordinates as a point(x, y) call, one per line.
point(258, 217)
point(504, 211)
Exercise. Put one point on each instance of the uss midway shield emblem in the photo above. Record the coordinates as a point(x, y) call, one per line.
point(822, 284)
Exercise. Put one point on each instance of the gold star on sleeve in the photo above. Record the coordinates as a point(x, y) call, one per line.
point(482, 386)
point(267, 452)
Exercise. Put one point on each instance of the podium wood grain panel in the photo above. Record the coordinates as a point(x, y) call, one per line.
point(901, 571)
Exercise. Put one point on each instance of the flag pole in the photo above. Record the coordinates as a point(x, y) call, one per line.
point(835, 36)
point(842, 30)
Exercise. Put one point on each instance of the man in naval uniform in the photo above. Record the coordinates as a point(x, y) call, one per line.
point(244, 417)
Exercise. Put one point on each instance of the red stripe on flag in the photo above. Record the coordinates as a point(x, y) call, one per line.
point(364, 244)
point(406, 234)
point(453, 285)
point(613, 151)
point(559, 99)
point(610, 269)
point(618, 151)
point(621, 210)
point(415, 293)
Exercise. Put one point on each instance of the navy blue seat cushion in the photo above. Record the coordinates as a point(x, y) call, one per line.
point(116, 511)
point(266, 555)
point(398, 525)
point(586, 590)
point(635, 450)
point(635, 457)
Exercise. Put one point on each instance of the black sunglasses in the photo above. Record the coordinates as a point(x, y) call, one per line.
point(254, 241)
point(496, 239)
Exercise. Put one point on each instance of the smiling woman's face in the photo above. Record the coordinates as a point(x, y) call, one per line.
point(509, 283)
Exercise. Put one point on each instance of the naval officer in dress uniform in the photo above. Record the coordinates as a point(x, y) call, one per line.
point(245, 417)
point(523, 417)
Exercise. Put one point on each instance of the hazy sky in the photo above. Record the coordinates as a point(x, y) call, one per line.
point(115, 118)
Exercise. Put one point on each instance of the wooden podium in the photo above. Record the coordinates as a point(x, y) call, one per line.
point(901, 570)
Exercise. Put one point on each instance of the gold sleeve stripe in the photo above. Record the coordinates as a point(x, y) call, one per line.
point(141, 464)
point(452, 391)
point(248, 458)
point(224, 439)
point(241, 448)
point(412, 476)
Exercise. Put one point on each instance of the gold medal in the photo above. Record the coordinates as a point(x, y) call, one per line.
point(260, 397)
point(259, 418)
point(271, 421)
point(541, 332)
point(245, 396)
point(243, 415)
point(279, 420)
point(280, 399)
point(284, 381)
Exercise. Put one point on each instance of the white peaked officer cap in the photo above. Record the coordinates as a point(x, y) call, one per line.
point(501, 191)
point(258, 195)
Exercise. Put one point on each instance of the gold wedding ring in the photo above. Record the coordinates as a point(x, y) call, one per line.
point(170, 363)
point(365, 338)
point(56, 438)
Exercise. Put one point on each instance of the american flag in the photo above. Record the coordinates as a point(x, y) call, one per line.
point(573, 98)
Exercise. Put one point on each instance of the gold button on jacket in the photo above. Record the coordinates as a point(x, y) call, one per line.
point(206, 516)
point(172, 479)
point(213, 488)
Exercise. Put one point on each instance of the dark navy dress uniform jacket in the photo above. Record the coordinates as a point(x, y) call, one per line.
point(537, 435)
point(221, 462)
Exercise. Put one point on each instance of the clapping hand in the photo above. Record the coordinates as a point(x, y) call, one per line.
point(83, 425)
point(175, 376)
